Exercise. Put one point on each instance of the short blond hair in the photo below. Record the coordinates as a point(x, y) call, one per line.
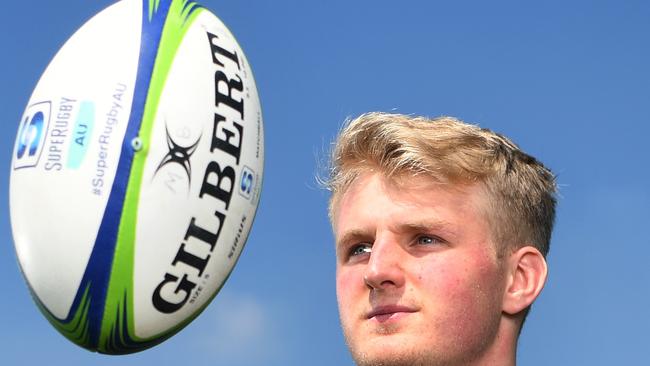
point(520, 190)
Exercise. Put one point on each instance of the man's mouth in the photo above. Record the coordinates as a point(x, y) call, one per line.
point(389, 312)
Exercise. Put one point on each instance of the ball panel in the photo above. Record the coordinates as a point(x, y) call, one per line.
point(118, 331)
point(204, 231)
point(55, 206)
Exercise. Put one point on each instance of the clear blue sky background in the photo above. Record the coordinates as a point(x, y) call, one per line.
point(568, 80)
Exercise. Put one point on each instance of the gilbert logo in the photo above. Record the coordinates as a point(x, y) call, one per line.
point(31, 135)
point(181, 283)
point(178, 154)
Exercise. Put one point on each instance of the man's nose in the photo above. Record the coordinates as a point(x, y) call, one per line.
point(384, 269)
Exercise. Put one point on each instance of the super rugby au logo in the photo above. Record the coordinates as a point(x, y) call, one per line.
point(177, 155)
point(31, 135)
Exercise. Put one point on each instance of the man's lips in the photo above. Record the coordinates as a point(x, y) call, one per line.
point(388, 312)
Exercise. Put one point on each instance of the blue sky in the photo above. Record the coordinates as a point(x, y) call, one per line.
point(567, 80)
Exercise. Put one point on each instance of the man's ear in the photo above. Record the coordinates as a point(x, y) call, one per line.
point(527, 273)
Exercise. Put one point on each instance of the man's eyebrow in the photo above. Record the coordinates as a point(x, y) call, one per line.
point(424, 226)
point(351, 236)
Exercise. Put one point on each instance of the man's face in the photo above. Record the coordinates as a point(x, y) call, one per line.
point(418, 281)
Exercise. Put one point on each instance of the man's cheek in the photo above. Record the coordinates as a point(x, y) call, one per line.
point(345, 290)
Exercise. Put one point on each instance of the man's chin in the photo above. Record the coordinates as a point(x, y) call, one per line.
point(376, 358)
point(386, 347)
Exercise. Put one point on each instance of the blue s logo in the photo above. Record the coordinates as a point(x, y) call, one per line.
point(247, 182)
point(31, 135)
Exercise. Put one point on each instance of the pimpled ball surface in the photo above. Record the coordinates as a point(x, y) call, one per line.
point(136, 174)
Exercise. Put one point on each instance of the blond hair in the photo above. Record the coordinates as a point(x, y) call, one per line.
point(520, 190)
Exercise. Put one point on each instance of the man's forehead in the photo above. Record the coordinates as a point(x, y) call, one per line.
point(416, 198)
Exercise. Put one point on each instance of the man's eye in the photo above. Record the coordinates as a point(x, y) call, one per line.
point(360, 249)
point(428, 240)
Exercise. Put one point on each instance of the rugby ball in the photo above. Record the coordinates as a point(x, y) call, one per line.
point(136, 174)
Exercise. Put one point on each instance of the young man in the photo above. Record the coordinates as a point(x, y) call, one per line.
point(441, 230)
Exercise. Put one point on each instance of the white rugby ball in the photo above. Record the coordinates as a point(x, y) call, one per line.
point(136, 174)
